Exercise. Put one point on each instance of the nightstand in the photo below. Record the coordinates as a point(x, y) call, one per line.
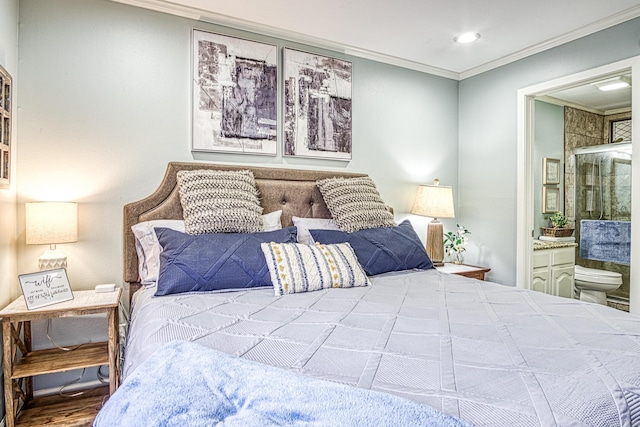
point(21, 363)
point(465, 270)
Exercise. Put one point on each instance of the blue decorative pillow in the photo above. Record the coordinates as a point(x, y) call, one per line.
point(380, 250)
point(211, 262)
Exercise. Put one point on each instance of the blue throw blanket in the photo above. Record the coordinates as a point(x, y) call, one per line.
point(185, 384)
point(606, 241)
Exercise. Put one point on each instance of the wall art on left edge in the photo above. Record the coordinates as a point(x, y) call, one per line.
point(5, 128)
point(234, 95)
point(317, 106)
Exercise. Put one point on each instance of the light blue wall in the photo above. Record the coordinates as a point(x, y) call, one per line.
point(548, 142)
point(487, 144)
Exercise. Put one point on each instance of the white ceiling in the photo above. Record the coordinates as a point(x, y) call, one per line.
point(417, 34)
point(589, 97)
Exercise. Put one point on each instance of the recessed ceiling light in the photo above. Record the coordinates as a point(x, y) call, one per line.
point(615, 83)
point(466, 37)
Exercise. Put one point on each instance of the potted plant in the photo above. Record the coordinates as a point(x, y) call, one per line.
point(455, 242)
point(558, 227)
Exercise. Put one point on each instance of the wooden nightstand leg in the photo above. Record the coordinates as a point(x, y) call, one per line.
point(114, 351)
point(8, 383)
point(28, 344)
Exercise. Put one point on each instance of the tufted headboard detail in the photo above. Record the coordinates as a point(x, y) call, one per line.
point(292, 190)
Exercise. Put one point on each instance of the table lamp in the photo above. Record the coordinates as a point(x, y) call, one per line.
point(50, 223)
point(434, 201)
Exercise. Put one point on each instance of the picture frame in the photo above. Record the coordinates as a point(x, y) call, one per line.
point(317, 106)
point(6, 104)
point(45, 288)
point(550, 199)
point(550, 171)
point(234, 92)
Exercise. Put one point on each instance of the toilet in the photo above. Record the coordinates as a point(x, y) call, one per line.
point(593, 284)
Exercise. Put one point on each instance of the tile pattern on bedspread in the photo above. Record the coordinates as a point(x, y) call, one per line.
point(489, 354)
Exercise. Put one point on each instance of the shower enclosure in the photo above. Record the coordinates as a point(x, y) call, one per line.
point(602, 191)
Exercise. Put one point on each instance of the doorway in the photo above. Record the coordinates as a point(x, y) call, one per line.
point(526, 167)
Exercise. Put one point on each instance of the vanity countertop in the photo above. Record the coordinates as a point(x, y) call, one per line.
point(546, 244)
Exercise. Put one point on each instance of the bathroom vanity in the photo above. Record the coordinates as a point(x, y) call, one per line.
point(553, 268)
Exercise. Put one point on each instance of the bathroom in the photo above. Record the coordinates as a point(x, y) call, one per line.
point(588, 132)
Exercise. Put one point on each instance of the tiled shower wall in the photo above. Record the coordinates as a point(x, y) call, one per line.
point(586, 129)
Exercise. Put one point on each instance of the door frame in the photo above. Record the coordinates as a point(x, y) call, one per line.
point(525, 190)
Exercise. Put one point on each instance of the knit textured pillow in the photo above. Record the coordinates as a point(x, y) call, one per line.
point(355, 203)
point(215, 201)
point(296, 267)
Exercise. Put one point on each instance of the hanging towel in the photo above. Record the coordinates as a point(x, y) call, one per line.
point(606, 241)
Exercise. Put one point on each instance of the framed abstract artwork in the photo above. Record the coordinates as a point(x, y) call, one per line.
point(317, 106)
point(234, 95)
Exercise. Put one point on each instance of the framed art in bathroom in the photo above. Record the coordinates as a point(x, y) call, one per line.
point(550, 171)
point(550, 200)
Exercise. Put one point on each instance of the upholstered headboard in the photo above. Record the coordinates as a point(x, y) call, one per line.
point(292, 190)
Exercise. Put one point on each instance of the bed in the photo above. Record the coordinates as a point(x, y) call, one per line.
point(480, 352)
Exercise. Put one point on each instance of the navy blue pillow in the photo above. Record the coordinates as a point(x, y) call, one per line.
point(211, 262)
point(380, 250)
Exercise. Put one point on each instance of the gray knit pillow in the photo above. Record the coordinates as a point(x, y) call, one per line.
point(215, 201)
point(355, 203)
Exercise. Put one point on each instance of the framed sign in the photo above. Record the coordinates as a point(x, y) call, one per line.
point(551, 171)
point(45, 288)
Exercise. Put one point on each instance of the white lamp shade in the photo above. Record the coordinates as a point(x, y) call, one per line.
point(51, 223)
point(434, 201)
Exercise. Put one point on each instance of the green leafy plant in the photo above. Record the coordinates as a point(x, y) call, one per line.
point(455, 242)
point(558, 220)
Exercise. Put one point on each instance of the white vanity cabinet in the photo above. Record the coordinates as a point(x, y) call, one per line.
point(553, 270)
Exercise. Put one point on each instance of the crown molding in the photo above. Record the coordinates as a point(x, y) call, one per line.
point(600, 25)
point(241, 24)
point(173, 8)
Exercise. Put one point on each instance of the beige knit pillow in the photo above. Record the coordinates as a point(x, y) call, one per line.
point(355, 203)
point(215, 201)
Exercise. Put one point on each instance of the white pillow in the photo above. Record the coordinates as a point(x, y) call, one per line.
point(148, 248)
point(303, 225)
point(271, 221)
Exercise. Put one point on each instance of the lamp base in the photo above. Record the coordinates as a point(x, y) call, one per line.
point(52, 258)
point(435, 246)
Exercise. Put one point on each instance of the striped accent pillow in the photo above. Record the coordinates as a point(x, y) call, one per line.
point(296, 267)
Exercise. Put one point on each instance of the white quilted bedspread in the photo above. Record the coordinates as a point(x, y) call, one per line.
point(490, 354)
